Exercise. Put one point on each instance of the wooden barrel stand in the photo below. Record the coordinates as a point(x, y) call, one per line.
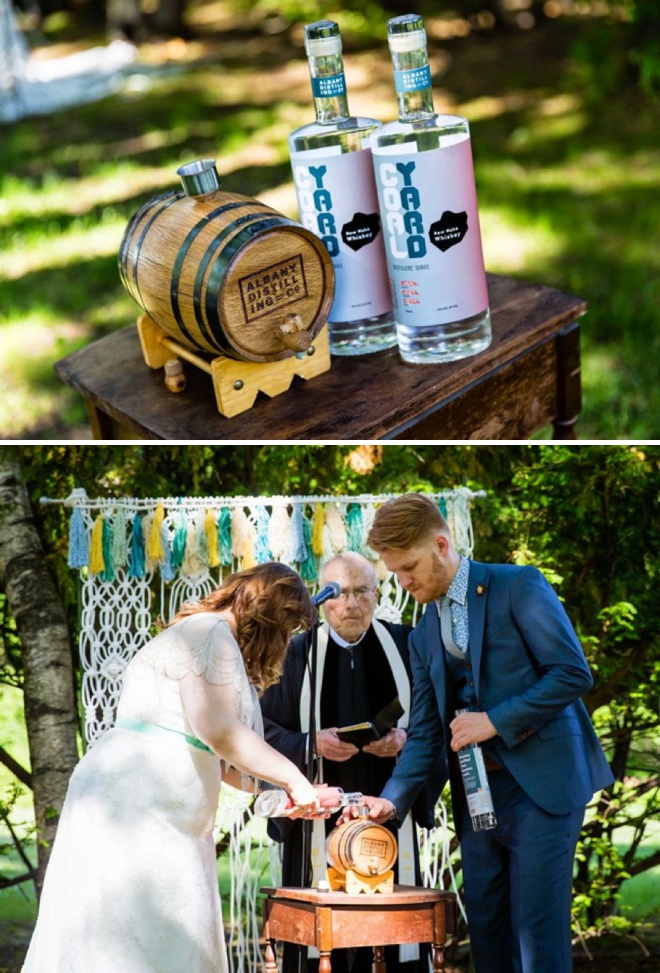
point(236, 384)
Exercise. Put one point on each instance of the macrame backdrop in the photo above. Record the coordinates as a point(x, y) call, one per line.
point(141, 559)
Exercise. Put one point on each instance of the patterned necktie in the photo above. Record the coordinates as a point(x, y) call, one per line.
point(446, 628)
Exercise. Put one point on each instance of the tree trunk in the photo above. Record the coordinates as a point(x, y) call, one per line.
point(49, 698)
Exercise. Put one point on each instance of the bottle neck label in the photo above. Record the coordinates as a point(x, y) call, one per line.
point(331, 86)
point(415, 79)
point(428, 204)
point(337, 200)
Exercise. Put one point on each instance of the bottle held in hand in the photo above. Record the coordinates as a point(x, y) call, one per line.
point(477, 788)
point(276, 803)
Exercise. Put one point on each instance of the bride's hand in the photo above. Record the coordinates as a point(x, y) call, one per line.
point(304, 797)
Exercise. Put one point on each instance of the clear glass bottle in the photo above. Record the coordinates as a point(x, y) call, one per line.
point(477, 788)
point(428, 202)
point(337, 199)
point(276, 803)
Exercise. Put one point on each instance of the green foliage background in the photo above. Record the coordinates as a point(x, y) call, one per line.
point(586, 515)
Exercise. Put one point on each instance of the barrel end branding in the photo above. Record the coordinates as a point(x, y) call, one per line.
point(273, 287)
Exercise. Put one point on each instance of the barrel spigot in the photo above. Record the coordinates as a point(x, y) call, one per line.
point(293, 334)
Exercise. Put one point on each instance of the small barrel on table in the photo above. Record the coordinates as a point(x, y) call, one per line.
point(362, 846)
point(224, 273)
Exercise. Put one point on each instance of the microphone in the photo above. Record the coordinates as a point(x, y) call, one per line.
point(331, 590)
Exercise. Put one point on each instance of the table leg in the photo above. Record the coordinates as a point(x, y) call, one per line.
point(99, 422)
point(379, 959)
point(271, 961)
point(325, 965)
point(569, 389)
point(438, 958)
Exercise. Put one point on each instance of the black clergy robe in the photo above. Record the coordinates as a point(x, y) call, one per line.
point(357, 682)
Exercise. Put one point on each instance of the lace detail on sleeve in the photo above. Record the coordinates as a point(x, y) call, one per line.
point(201, 643)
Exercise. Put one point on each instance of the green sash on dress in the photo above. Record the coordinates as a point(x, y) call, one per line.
point(124, 723)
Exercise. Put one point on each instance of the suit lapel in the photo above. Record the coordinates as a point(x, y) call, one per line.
point(476, 603)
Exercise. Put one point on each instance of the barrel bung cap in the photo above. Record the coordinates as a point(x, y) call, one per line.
point(199, 178)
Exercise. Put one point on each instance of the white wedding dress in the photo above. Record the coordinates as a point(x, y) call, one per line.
point(131, 886)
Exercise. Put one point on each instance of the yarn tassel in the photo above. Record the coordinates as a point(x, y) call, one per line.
point(249, 558)
point(318, 522)
point(167, 571)
point(149, 565)
point(78, 542)
point(211, 531)
point(334, 533)
point(119, 540)
point(368, 515)
point(261, 550)
point(224, 536)
point(240, 532)
point(296, 552)
point(136, 569)
point(96, 562)
point(179, 540)
point(108, 572)
point(154, 545)
point(354, 527)
point(201, 542)
point(279, 530)
point(193, 563)
point(307, 567)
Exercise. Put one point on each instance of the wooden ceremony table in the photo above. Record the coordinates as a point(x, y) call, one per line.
point(527, 378)
point(335, 920)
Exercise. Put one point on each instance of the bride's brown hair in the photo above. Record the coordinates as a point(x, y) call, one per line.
point(269, 601)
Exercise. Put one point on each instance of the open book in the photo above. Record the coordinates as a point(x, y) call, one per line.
point(361, 733)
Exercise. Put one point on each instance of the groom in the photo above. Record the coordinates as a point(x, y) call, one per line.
point(496, 640)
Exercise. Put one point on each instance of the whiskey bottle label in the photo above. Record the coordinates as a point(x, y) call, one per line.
point(428, 205)
point(475, 781)
point(337, 200)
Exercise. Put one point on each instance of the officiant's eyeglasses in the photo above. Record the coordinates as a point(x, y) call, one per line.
point(361, 594)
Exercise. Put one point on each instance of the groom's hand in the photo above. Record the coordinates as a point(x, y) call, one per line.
point(470, 728)
point(380, 810)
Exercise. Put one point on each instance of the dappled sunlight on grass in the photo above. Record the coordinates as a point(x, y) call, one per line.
point(83, 240)
point(121, 183)
point(31, 395)
point(615, 394)
point(283, 198)
point(490, 106)
point(509, 247)
point(545, 128)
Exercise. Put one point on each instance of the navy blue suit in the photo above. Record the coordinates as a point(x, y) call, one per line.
point(527, 670)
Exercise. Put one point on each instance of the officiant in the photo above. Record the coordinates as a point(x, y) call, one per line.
point(362, 667)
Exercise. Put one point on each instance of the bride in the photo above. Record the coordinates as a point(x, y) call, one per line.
point(131, 886)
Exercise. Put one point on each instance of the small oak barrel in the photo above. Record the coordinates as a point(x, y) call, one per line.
point(361, 845)
point(224, 273)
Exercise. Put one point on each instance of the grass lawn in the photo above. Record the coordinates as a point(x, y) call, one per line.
point(567, 187)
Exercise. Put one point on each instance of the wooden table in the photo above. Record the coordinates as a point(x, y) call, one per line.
point(329, 920)
point(529, 377)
